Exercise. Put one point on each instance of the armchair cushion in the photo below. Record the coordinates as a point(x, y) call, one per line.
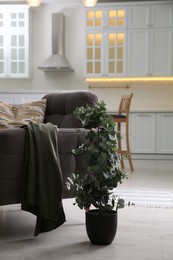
point(22, 114)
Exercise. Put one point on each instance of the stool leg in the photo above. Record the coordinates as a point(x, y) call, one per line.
point(128, 147)
point(120, 147)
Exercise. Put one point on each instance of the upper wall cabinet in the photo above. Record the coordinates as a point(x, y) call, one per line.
point(150, 40)
point(105, 53)
point(105, 42)
point(112, 18)
point(146, 33)
point(139, 17)
point(162, 16)
point(14, 41)
point(150, 52)
point(144, 16)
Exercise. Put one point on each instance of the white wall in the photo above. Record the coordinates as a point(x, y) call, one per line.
point(147, 96)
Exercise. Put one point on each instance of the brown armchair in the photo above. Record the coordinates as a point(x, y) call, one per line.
point(59, 111)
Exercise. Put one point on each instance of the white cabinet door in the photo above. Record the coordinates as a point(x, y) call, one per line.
point(150, 49)
point(116, 17)
point(161, 52)
point(94, 18)
point(14, 41)
point(105, 53)
point(138, 52)
point(143, 133)
point(139, 17)
point(152, 133)
point(165, 133)
point(106, 43)
point(162, 15)
point(157, 15)
point(105, 18)
point(94, 54)
point(150, 52)
point(115, 53)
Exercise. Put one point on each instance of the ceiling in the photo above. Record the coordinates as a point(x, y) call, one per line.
point(74, 1)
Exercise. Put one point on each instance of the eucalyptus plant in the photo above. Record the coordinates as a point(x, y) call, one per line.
point(99, 152)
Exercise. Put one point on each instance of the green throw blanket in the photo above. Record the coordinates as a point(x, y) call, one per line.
point(42, 181)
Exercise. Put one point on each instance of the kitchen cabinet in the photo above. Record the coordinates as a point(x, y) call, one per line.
point(151, 133)
point(139, 16)
point(150, 52)
point(161, 15)
point(143, 133)
point(150, 41)
point(164, 133)
point(153, 15)
point(147, 46)
point(105, 42)
point(138, 52)
point(105, 54)
point(14, 41)
point(161, 52)
point(105, 18)
point(94, 53)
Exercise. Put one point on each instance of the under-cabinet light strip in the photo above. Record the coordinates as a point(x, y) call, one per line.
point(128, 79)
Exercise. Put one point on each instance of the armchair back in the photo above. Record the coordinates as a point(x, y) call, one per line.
point(60, 107)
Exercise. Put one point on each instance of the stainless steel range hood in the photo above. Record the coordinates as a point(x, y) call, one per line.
point(57, 61)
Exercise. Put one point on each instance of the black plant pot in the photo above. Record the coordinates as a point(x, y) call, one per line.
point(101, 227)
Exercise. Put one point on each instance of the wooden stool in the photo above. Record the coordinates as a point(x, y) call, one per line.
point(123, 117)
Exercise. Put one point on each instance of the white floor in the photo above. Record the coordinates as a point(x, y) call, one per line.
point(145, 231)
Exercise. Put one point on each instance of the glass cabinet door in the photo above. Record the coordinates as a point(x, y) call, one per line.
point(94, 53)
point(2, 44)
point(115, 60)
point(14, 41)
point(105, 54)
point(116, 18)
point(105, 18)
point(94, 19)
point(105, 29)
point(18, 43)
point(2, 61)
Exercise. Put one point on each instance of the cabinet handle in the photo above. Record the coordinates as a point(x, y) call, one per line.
point(144, 115)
